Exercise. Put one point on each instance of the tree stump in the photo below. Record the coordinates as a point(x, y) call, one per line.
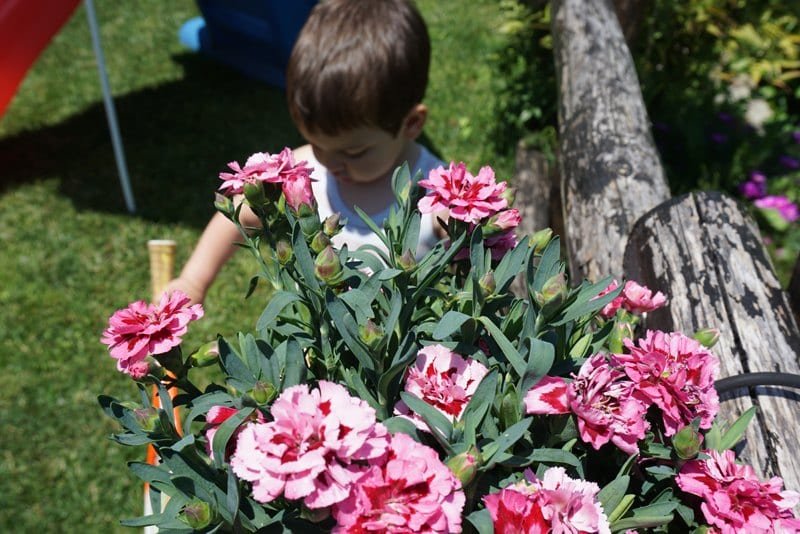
point(610, 170)
point(708, 258)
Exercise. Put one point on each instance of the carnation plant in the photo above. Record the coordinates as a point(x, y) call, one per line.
point(387, 391)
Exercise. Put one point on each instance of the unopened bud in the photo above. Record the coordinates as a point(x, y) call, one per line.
point(327, 266)
point(510, 407)
point(331, 225)
point(407, 261)
point(284, 252)
point(488, 283)
point(510, 195)
point(254, 193)
point(622, 330)
point(540, 240)
point(319, 242)
point(370, 333)
point(308, 219)
point(687, 442)
point(707, 337)
point(147, 418)
point(553, 292)
point(502, 222)
point(197, 514)
point(223, 204)
point(465, 466)
point(263, 392)
point(206, 355)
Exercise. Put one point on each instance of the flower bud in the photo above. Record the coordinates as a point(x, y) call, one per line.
point(254, 193)
point(206, 355)
point(319, 242)
point(332, 224)
point(147, 418)
point(707, 337)
point(502, 222)
point(407, 261)
point(370, 333)
point(687, 442)
point(284, 252)
point(510, 195)
point(263, 392)
point(540, 240)
point(308, 219)
point(487, 283)
point(327, 266)
point(197, 514)
point(223, 204)
point(622, 330)
point(465, 465)
point(553, 292)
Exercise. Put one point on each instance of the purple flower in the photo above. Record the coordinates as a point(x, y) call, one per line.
point(790, 162)
point(752, 189)
point(719, 138)
point(785, 207)
point(758, 177)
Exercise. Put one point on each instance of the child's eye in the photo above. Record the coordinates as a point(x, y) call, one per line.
point(356, 153)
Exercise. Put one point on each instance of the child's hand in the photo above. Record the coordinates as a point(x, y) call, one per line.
point(191, 290)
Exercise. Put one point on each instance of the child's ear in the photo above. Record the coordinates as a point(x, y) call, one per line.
point(415, 121)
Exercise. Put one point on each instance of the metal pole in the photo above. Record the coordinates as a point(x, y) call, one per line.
point(111, 114)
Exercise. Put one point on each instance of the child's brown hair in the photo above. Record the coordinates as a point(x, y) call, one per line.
point(358, 63)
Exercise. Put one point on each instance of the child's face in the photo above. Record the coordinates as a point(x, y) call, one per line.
point(361, 156)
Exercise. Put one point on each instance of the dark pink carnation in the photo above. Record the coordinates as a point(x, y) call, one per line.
point(143, 329)
point(316, 445)
point(443, 379)
point(735, 500)
point(218, 415)
point(601, 398)
point(556, 503)
point(465, 197)
point(675, 373)
point(610, 309)
point(787, 209)
point(294, 177)
point(409, 490)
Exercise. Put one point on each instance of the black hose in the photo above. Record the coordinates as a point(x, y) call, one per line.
point(746, 380)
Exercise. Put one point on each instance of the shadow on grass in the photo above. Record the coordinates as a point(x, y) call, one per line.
point(177, 137)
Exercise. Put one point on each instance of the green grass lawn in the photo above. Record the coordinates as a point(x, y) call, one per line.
point(71, 255)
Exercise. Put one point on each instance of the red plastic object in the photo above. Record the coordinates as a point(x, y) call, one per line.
point(26, 26)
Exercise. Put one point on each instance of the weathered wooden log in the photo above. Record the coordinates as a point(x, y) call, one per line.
point(794, 290)
point(610, 170)
point(708, 257)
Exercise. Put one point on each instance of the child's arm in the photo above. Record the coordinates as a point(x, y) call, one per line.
point(214, 248)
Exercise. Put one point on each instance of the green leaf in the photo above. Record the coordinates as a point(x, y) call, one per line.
point(355, 383)
point(653, 515)
point(411, 232)
point(371, 224)
point(401, 424)
point(295, 367)
point(613, 493)
point(584, 305)
point(734, 434)
point(482, 521)
point(348, 330)
point(511, 264)
point(481, 401)
point(437, 423)
point(449, 323)
point(540, 361)
point(304, 261)
point(503, 442)
point(549, 265)
point(277, 302)
point(234, 366)
point(202, 404)
point(554, 456)
point(225, 431)
point(511, 354)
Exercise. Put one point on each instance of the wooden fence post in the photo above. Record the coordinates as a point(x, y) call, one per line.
point(708, 257)
point(610, 170)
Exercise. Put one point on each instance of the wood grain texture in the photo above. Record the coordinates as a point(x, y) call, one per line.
point(707, 256)
point(610, 170)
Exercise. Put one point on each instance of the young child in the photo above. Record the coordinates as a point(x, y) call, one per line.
point(355, 84)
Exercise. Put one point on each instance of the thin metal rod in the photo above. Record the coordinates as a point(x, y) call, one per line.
point(111, 114)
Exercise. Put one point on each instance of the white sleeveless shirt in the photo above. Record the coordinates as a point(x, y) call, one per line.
point(356, 232)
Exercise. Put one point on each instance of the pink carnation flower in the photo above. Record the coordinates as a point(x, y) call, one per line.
point(735, 500)
point(316, 445)
point(601, 398)
point(218, 415)
point(676, 373)
point(143, 329)
point(640, 299)
point(443, 379)
point(610, 309)
point(556, 503)
point(787, 209)
point(465, 197)
point(409, 490)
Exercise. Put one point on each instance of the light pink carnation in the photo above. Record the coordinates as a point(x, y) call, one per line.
point(601, 399)
point(409, 490)
point(143, 329)
point(505, 220)
point(676, 373)
point(316, 445)
point(556, 503)
point(465, 197)
point(735, 500)
point(443, 379)
point(218, 415)
point(640, 299)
